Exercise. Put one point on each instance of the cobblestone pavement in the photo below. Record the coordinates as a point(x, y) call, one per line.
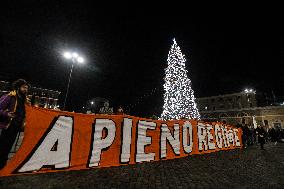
point(248, 168)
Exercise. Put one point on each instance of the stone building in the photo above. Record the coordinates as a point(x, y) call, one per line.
point(241, 108)
point(39, 97)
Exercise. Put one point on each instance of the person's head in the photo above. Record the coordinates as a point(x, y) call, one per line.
point(106, 104)
point(21, 86)
point(119, 108)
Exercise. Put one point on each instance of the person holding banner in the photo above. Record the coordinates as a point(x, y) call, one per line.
point(12, 116)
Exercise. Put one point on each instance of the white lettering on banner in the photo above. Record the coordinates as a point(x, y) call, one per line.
point(218, 136)
point(173, 140)
point(202, 137)
point(224, 137)
point(211, 143)
point(237, 140)
point(126, 140)
point(231, 137)
point(187, 133)
point(59, 134)
point(227, 136)
point(100, 143)
point(143, 140)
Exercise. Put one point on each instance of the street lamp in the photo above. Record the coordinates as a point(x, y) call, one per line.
point(75, 58)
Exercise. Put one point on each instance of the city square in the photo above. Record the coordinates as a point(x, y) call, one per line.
point(140, 97)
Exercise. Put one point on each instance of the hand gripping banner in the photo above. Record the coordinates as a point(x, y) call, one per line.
point(57, 140)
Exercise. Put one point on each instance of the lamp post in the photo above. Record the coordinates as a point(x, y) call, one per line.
point(75, 58)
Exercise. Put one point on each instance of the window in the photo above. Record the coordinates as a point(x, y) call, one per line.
point(213, 108)
point(248, 96)
point(230, 106)
point(240, 105)
point(223, 115)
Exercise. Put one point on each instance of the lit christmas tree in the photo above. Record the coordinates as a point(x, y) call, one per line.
point(179, 101)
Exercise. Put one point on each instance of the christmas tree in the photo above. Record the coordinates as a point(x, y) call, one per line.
point(179, 101)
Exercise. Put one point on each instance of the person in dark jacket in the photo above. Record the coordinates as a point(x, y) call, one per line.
point(12, 116)
point(272, 134)
point(246, 133)
point(261, 136)
point(278, 135)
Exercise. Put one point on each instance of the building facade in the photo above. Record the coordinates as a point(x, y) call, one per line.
point(241, 108)
point(39, 97)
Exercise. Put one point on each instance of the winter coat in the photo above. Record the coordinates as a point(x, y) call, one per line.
point(8, 103)
point(261, 135)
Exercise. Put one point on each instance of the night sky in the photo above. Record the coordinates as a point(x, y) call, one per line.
point(126, 50)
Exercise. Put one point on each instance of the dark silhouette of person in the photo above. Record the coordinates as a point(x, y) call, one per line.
point(261, 136)
point(12, 117)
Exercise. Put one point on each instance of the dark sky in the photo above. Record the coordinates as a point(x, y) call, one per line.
point(126, 50)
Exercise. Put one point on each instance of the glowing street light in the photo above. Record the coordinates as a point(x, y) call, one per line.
point(67, 55)
point(75, 58)
point(80, 60)
point(249, 90)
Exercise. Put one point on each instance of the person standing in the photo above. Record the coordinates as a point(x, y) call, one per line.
point(277, 135)
point(246, 134)
point(272, 134)
point(261, 136)
point(12, 116)
point(120, 111)
point(106, 109)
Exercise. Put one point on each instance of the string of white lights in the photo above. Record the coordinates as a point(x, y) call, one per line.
point(179, 100)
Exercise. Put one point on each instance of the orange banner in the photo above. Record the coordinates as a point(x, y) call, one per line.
point(57, 140)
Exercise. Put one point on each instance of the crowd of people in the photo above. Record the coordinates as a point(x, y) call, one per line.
point(106, 109)
point(259, 135)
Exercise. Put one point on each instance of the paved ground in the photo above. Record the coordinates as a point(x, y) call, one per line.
point(248, 168)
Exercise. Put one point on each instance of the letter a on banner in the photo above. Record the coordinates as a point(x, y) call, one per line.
point(46, 153)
